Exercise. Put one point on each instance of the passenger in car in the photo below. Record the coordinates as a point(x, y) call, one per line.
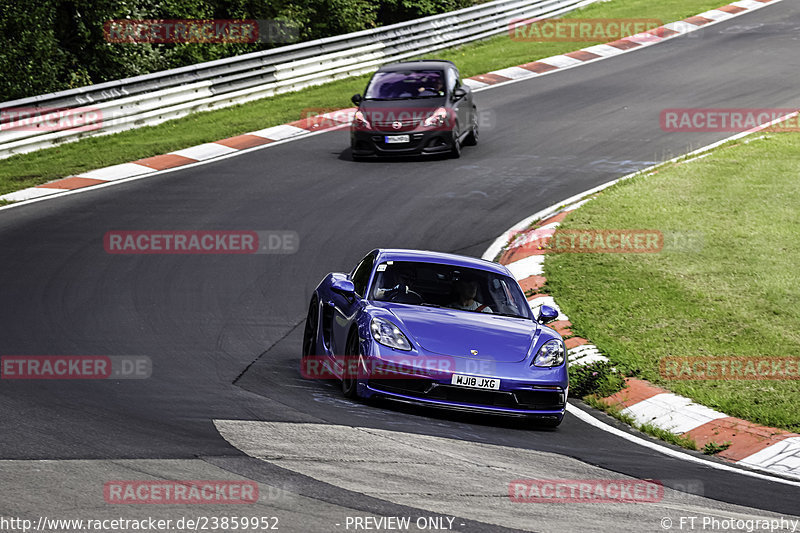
point(466, 291)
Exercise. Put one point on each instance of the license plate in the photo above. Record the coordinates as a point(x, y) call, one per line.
point(475, 382)
point(392, 139)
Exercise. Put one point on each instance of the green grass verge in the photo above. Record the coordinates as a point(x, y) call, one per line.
point(713, 448)
point(32, 169)
point(738, 294)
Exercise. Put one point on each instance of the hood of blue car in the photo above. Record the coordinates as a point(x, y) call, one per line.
point(458, 333)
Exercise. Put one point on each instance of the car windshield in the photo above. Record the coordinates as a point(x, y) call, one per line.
point(454, 287)
point(401, 85)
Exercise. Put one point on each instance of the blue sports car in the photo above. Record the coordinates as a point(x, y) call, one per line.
point(438, 329)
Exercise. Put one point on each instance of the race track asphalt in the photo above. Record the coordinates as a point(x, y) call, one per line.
point(224, 331)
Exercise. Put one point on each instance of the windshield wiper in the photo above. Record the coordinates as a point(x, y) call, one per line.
point(426, 304)
point(512, 315)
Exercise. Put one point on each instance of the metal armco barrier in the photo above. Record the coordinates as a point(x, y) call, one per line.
point(150, 99)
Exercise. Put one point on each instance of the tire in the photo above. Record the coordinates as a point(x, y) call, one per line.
point(350, 383)
point(455, 151)
point(310, 330)
point(472, 136)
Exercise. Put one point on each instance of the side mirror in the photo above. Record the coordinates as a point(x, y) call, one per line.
point(546, 314)
point(459, 93)
point(356, 99)
point(344, 287)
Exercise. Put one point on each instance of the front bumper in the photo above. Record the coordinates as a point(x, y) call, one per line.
point(372, 143)
point(539, 396)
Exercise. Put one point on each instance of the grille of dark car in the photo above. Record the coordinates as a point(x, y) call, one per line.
point(406, 124)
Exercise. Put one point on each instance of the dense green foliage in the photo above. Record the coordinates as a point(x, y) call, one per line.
point(600, 378)
point(51, 45)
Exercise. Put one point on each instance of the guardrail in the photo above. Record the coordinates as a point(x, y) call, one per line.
point(154, 98)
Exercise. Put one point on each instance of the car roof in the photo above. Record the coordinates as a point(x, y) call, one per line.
point(430, 64)
point(426, 256)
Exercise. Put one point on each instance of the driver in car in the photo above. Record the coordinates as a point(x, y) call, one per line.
point(405, 281)
point(465, 291)
point(434, 87)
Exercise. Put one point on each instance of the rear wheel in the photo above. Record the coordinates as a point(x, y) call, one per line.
point(349, 381)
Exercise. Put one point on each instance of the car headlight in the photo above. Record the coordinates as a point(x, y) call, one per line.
point(439, 118)
point(360, 120)
point(550, 354)
point(388, 334)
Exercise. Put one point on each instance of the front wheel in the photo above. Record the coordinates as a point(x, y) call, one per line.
point(349, 381)
point(472, 136)
point(310, 331)
point(455, 151)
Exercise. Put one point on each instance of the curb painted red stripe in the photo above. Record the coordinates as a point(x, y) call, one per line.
point(74, 182)
point(574, 342)
point(563, 328)
point(582, 55)
point(242, 142)
point(746, 438)
point(318, 123)
point(732, 9)
point(637, 390)
point(623, 44)
point(490, 78)
point(697, 20)
point(163, 162)
point(531, 283)
point(538, 67)
point(662, 32)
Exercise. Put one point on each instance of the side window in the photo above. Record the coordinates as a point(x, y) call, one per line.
point(454, 81)
point(360, 275)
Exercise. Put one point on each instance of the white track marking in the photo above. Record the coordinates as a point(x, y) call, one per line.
point(671, 412)
point(589, 419)
point(201, 152)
